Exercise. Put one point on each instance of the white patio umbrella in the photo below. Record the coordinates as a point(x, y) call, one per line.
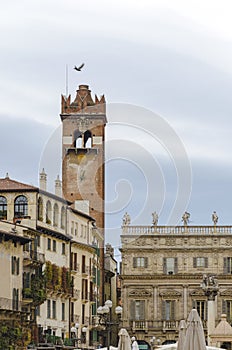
point(124, 342)
point(182, 332)
point(194, 339)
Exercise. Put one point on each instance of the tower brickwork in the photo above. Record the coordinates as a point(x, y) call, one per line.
point(83, 170)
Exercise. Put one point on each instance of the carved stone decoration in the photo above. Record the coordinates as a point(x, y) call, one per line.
point(226, 293)
point(140, 242)
point(170, 293)
point(197, 293)
point(170, 241)
point(140, 293)
point(210, 286)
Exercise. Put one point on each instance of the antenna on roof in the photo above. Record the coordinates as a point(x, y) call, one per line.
point(66, 80)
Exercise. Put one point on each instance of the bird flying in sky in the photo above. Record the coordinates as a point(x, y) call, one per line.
point(79, 68)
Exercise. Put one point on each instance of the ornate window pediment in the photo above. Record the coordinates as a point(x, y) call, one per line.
point(170, 293)
point(226, 293)
point(197, 293)
point(140, 293)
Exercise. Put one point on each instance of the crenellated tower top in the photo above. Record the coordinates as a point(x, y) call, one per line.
point(83, 103)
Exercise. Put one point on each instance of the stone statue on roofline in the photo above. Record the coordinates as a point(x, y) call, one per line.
point(126, 220)
point(215, 218)
point(155, 218)
point(185, 218)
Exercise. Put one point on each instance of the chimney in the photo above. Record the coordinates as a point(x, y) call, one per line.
point(58, 187)
point(43, 180)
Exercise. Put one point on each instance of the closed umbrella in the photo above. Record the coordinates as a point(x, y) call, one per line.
point(124, 342)
point(182, 332)
point(194, 339)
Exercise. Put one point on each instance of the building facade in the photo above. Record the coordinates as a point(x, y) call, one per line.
point(58, 279)
point(162, 272)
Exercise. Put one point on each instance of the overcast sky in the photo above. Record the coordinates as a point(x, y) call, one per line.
point(172, 58)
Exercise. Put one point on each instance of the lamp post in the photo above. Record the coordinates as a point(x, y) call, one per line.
point(104, 313)
point(153, 341)
point(74, 334)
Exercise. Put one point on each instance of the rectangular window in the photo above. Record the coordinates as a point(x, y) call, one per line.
point(84, 292)
point(37, 310)
point(54, 245)
point(53, 309)
point(15, 265)
point(137, 310)
point(63, 311)
point(200, 262)
point(169, 310)
point(72, 312)
point(228, 265)
point(140, 262)
point(49, 244)
point(201, 306)
point(83, 264)
point(83, 314)
point(48, 308)
point(170, 266)
point(63, 248)
point(38, 241)
point(227, 309)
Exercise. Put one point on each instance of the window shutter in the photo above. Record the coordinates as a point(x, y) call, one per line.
point(206, 310)
point(206, 262)
point(12, 265)
point(163, 309)
point(172, 315)
point(142, 310)
point(165, 265)
point(175, 265)
point(224, 309)
point(194, 262)
point(145, 262)
point(132, 310)
point(194, 304)
point(225, 266)
point(18, 266)
point(134, 262)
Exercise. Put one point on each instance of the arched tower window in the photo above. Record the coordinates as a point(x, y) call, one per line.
point(87, 139)
point(3, 208)
point(20, 207)
point(55, 215)
point(77, 136)
point(63, 217)
point(40, 209)
point(48, 212)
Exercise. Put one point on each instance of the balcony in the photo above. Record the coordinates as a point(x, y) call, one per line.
point(33, 257)
point(163, 326)
point(76, 294)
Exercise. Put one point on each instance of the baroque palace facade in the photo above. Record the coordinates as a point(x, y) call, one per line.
point(161, 277)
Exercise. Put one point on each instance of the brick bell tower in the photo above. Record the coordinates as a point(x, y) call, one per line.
point(83, 167)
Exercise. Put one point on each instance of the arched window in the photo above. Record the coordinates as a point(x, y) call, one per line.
point(87, 139)
point(40, 209)
point(48, 212)
point(77, 136)
point(55, 215)
point(3, 208)
point(20, 207)
point(63, 217)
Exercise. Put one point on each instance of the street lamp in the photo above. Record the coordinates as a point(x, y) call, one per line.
point(74, 334)
point(104, 320)
point(152, 342)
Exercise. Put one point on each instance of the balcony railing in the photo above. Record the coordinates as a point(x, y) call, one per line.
point(34, 256)
point(76, 294)
point(142, 325)
point(176, 230)
point(9, 304)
